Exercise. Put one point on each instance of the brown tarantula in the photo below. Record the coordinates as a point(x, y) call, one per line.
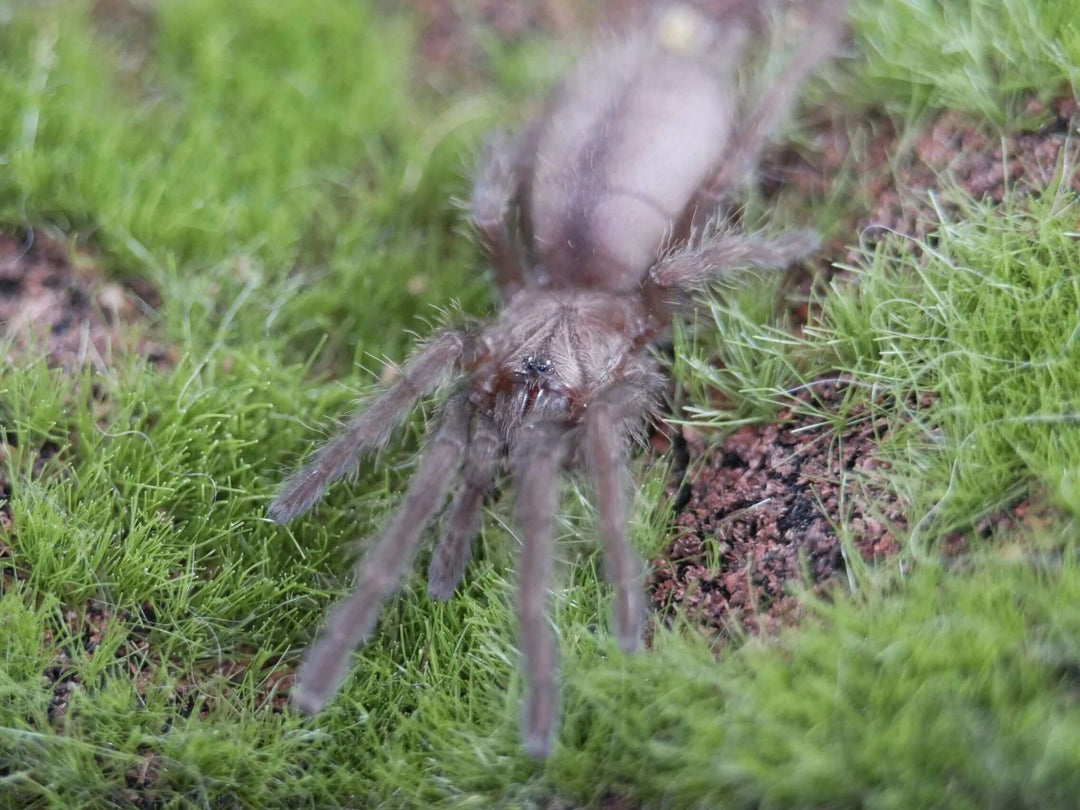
point(601, 223)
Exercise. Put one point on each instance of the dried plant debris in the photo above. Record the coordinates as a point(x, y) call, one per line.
point(764, 512)
point(55, 297)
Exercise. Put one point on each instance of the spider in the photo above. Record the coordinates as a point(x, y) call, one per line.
point(602, 219)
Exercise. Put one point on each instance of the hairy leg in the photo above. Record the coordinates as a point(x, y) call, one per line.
point(424, 372)
point(352, 620)
point(492, 194)
point(613, 415)
point(538, 458)
point(693, 266)
point(819, 39)
point(452, 552)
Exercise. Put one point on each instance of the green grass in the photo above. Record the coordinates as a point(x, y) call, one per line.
point(978, 56)
point(273, 168)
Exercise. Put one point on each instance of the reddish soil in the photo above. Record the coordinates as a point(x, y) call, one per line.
point(763, 512)
point(1013, 526)
point(56, 298)
point(954, 158)
point(983, 165)
point(952, 153)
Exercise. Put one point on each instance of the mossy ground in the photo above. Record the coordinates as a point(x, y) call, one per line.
point(283, 178)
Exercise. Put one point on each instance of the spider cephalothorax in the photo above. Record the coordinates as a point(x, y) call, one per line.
point(553, 350)
point(596, 220)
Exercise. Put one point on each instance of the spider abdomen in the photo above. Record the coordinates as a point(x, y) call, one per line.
point(628, 140)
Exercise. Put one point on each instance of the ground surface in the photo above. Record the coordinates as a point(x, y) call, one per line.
point(766, 510)
point(53, 294)
point(219, 221)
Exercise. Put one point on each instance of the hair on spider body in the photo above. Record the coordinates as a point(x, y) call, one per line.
point(599, 220)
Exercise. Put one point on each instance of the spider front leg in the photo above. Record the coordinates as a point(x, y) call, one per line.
point(478, 471)
point(352, 620)
point(538, 458)
point(424, 372)
point(614, 414)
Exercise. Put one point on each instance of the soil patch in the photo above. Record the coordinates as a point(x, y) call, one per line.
point(910, 189)
point(57, 298)
point(953, 153)
point(136, 660)
point(129, 27)
point(452, 31)
point(763, 512)
point(979, 163)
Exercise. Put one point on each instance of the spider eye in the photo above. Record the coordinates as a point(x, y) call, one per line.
point(536, 365)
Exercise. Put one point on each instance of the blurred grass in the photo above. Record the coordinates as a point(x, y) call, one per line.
point(273, 168)
point(980, 56)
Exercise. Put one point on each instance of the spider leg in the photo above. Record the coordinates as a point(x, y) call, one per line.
point(493, 191)
point(452, 552)
point(371, 428)
point(610, 417)
point(538, 457)
point(774, 104)
point(352, 620)
point(693, 266)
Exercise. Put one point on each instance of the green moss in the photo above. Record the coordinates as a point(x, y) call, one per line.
point(271, 167)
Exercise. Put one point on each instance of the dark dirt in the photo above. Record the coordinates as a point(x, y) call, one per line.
point(55, 299)
point(894, 182)
point(58, 299)
point(763, 511)
point(129, 28)
point(136, 660)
